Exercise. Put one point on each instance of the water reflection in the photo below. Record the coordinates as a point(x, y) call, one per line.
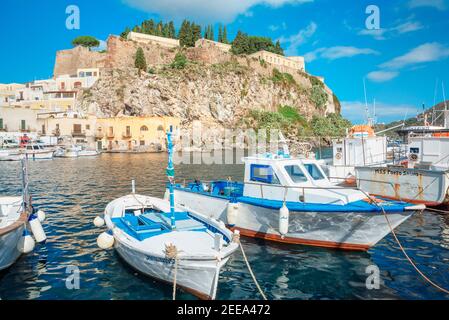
point(74, 191)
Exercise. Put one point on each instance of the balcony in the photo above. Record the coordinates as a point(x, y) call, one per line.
point(79, 134)
point(126, 135)
point(110, 135)
point(99, 135)
point(56, 132)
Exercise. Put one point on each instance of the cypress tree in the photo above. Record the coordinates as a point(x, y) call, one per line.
point(211, 33)
point(196, 33)
point(140, 63)
point(159, 29)
point(225, 35)
point(220, 34)
point(171, 30)
point(184, 33)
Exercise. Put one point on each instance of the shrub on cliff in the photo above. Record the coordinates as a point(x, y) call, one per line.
point(179, 62)
point(282, 77)
point(85, 41)
point(140, 61)
point(318, 96)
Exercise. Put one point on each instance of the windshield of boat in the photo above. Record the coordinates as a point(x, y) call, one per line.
point(314, 171)
point(263, 173)
point(295, 173)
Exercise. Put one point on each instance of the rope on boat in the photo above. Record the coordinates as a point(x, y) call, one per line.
point(437, 210)
point(171, 252)
point(236, 238)
point(405, 253)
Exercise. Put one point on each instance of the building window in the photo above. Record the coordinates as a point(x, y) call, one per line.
point(77, 85)
point(23, 125)
point(143, 128)
point(87, 126)
point(142, 142)
point(1, 124)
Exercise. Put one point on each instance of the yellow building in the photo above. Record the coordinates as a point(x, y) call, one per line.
point(138, 134)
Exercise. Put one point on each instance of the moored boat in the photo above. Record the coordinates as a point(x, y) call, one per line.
point(167, 242)
point(291, 200)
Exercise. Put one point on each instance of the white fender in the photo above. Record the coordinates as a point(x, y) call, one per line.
point(98, 222)
point(284, 215)
point(41, 215)
point(232, 213)
point(36, 228)
point(26, 243)
point(105, 240)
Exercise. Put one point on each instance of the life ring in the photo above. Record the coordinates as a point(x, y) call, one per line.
point(338, 156)
point(413, 157)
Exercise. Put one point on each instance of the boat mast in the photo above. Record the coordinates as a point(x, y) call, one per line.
point(171, 177)
point(25, 191)
point(446, 111)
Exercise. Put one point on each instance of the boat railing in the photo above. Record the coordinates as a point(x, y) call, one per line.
point(304, 188)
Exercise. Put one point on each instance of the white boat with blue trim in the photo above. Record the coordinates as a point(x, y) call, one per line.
point(291, 200)
point(168, 243)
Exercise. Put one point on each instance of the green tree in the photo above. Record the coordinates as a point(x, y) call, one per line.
point(240, 45)
point(179, 62)
point(225, 35)
point(86, 41)
point(171, 30)
point(211, 33)
point(220, 33)
point(125, 33)
point(140, 62)
point(184, 32)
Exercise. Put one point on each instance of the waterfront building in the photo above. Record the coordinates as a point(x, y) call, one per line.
point(139, 134)
point(18, 119)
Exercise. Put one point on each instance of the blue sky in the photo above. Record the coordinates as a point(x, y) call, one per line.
point(401, 62)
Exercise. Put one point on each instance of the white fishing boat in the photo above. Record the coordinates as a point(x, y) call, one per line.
point(168, 243)
point(422, 177)
point(291, 200)
point(8, 146)
point(85, 152)
point(31, 151)
point(16, 215)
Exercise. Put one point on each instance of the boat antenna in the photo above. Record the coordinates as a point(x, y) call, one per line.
point(171, 177)
point(374, 112)
point(434, 101)
point(446, 112)
point(366, 102)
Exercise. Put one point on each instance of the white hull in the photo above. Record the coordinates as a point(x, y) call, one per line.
point(196, 276)
point(345, 230)
point(9, 251)
point(88, 153)
point(429, 187)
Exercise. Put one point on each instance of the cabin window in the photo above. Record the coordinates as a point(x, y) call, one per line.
point(263, 173)
point(296, 174)
point(314, 171)
point(414, 150)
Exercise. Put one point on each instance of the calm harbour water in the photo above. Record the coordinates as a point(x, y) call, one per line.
point(74, 191)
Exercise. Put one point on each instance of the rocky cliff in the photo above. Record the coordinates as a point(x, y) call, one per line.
point(215, 87)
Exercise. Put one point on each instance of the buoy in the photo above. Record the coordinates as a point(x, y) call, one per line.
point(26, 243)
point(98, 222)
point(284, 214)
point(105, 240)
point(232, 213)
point(36, 228)
point(41, 215)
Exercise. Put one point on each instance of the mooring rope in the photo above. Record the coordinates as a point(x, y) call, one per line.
point(437, 210)
point(405, 253)
point(236, 238)
point(171, 252)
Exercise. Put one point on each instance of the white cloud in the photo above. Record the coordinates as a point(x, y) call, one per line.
point(427, 52)
point(275, 27)
point(401, 27)
point(437, 4)
point(294, 41)
point(337, 52)
point(103, 46)
point(205, 10)
point(382, 76)
point(385, 112)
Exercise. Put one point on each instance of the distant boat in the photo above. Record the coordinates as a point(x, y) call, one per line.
point(32, 151)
